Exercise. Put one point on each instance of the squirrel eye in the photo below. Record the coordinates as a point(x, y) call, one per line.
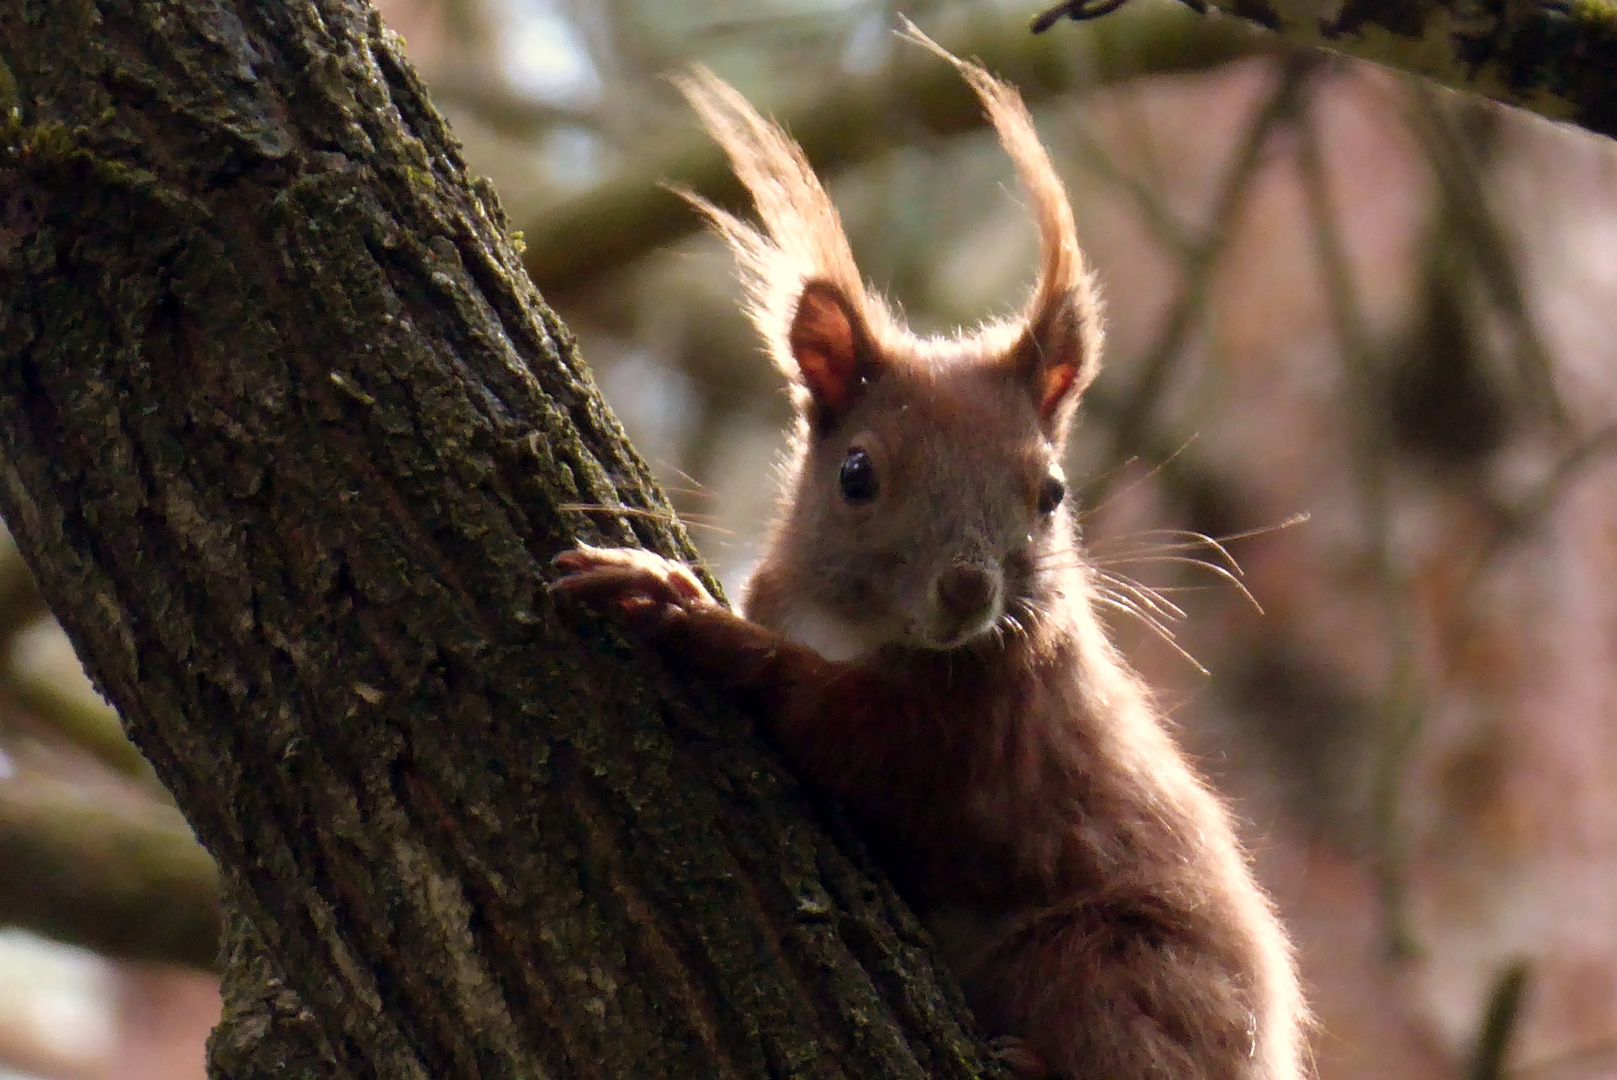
point(858, 477)
point(1051, 492)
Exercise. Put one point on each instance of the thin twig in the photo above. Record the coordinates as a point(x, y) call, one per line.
point(1203, 257)
point(1153, 208)
point(1532, 508)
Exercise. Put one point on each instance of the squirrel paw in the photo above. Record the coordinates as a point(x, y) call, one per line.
point(1018, 1057)
point(644, 587)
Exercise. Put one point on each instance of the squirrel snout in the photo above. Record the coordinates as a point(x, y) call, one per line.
point(968, 599)
point(964, 590)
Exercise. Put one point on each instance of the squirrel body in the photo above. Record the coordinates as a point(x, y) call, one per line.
point(921, 635)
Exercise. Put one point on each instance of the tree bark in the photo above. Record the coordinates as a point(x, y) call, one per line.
point(289, 441)
point(1554, 57)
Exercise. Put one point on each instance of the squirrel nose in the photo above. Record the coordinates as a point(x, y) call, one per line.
point(965, 591)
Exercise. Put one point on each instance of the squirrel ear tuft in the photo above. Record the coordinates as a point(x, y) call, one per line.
point(831, 348)
point(1059, 353)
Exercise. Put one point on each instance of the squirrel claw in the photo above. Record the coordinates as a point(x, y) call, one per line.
point(641, 585)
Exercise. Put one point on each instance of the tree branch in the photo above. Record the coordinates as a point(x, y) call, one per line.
point(1554, 57)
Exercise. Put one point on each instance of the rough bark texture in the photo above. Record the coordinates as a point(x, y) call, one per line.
point(287, 441)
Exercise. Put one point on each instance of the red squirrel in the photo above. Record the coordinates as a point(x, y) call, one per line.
point(921, 635)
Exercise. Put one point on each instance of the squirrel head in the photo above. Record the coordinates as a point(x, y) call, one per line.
point(923, 498)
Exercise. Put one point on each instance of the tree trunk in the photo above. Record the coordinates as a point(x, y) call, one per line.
point(289, 442)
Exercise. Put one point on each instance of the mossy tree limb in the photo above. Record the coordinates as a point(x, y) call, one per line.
point(287, 438)
point(1554, 57)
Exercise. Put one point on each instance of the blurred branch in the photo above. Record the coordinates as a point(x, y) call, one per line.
point(1402, 712)
point(468, 23)
point(1210, 498)
point(91, 726)
point(1554, 57)
point(1499, 1023)
point(1202, 256)
point(1459, 172)
point(1529, 511)
point(1127, 413)
point(487, 95)
point(20, 602)
point(1146, 194)
point(630, 214)
point(130, 883)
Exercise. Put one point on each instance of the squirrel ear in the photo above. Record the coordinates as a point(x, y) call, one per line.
point(1056, 359)
point(831, 348)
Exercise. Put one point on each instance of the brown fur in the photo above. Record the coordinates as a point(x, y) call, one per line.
point(931, 657)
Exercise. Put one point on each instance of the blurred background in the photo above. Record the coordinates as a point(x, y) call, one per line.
point(1332, 291)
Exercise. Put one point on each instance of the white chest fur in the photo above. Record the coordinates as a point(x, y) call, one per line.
point(833, 638)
